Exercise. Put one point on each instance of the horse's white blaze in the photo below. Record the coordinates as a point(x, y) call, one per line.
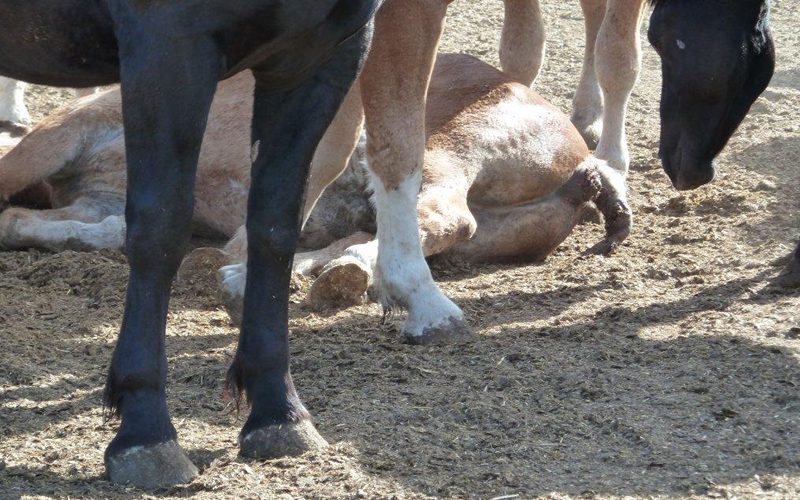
point(12, 102)
point(402, 275)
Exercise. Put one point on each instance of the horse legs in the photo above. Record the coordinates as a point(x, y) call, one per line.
point(284, 142)
point(407, 34)
point(164, 126)
point(444, 220)
point(88, 224)
point(330, 160)
point(335, 148)
point(523, 41)
point(587, 105)
point(12, 103)
point(533, 230)
point(618, 59)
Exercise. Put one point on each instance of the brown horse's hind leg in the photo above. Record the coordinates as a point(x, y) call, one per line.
point(523, 42)
point(613, 204)
point(530, 232)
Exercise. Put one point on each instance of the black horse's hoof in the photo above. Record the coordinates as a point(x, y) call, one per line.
point(285, 440)
point(151, 467)
point(790, 277)
point(453, 331)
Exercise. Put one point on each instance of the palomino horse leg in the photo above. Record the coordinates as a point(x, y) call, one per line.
point(12, 103)
point(523, 42)
point(618, 58)
point(587, 105)
point(330, 160)
point(164, 126)
point(407, 34)
point(284, 141)
point(92, 223)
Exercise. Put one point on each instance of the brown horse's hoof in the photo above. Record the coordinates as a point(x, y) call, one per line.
point(452, 331)
point(285, 440)
point(151, 467)
point(342, 283)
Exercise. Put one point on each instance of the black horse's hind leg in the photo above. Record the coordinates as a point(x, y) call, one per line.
point(286, 129)
point(168, 85)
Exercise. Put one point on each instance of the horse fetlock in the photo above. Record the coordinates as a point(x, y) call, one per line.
point(591, 184)
point(618, 223)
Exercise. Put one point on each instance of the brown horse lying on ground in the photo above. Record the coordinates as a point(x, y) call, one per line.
point(506, 177)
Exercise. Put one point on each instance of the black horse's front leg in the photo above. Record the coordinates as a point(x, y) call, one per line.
point(286, 129)
point(167, 86)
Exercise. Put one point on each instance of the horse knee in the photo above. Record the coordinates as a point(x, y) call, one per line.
point(156, 238)
point(272, 240)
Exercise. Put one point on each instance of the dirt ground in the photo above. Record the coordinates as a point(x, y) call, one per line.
point(668, 370)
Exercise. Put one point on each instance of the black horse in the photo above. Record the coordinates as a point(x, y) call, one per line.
point(169, 56)
point(717, 57)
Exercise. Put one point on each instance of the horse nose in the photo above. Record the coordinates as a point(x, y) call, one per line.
point(693, 175)
point(685, 171)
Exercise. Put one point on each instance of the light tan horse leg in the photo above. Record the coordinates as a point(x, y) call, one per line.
point(90, 224)
point(393, 85)
point(12, 103)
point(522, 44)
point(587, 105)
point(618, 59)
point(335, 148)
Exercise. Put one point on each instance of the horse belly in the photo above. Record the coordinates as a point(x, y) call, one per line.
point(58, 42)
